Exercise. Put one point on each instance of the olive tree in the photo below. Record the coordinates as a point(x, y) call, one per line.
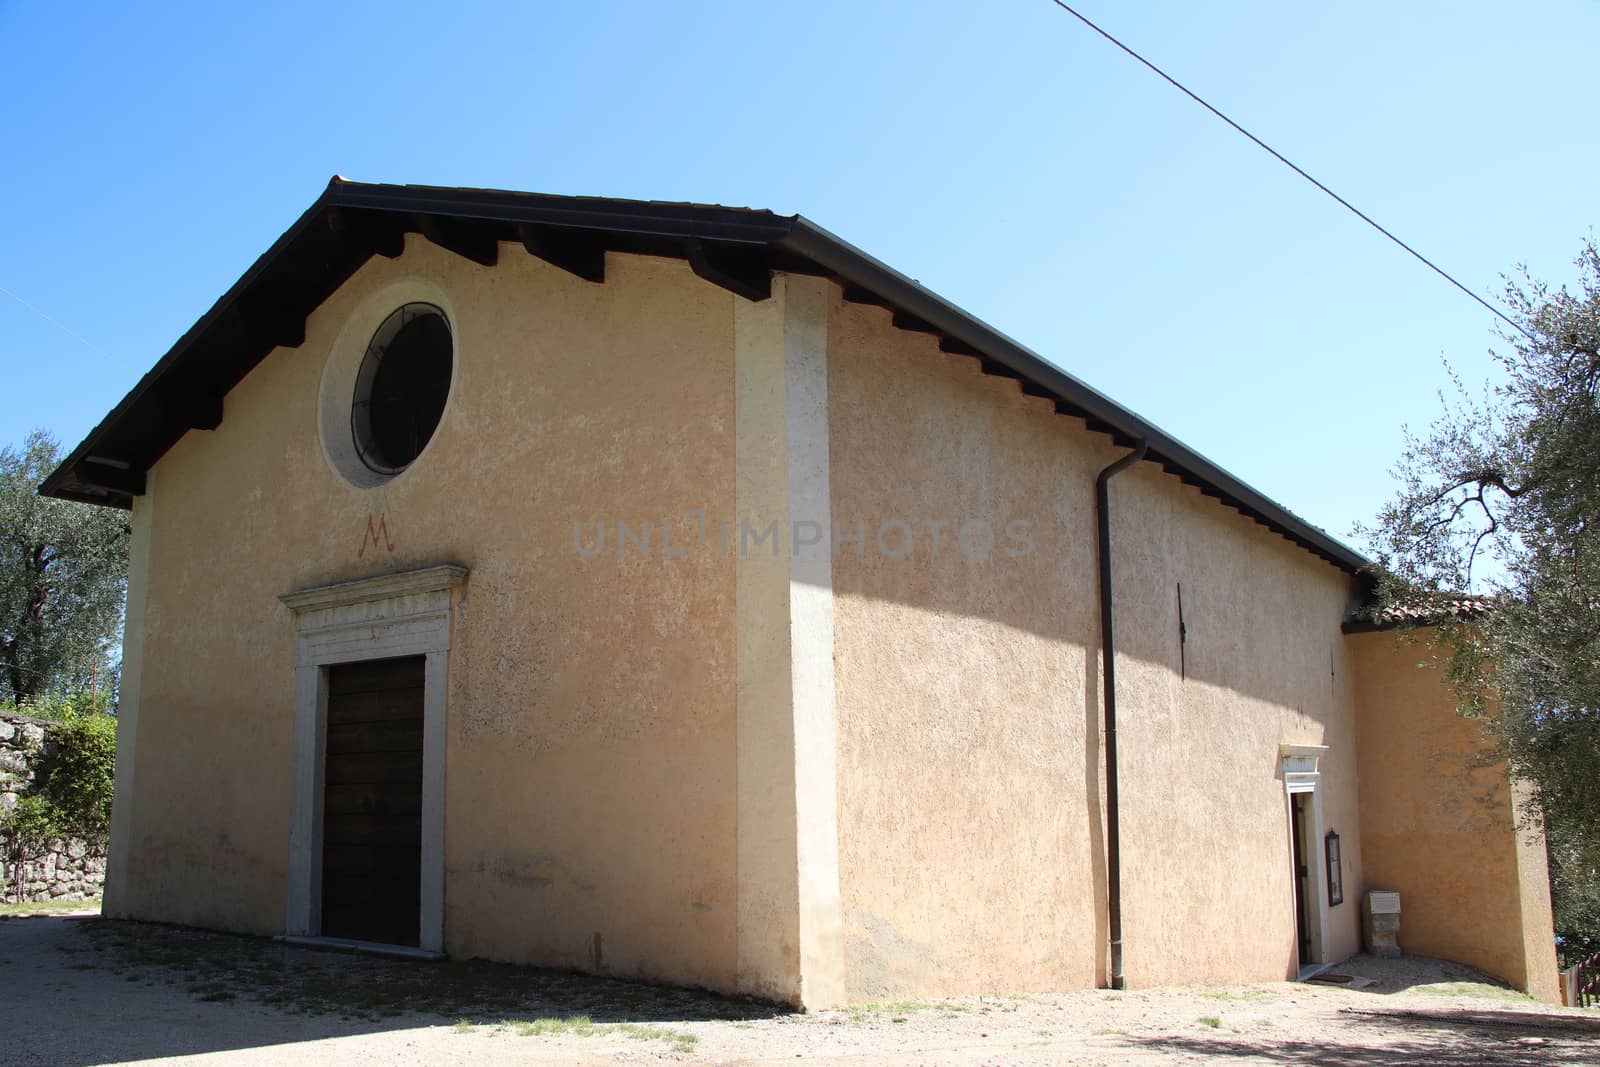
point(63, 576)
point(1502, 496)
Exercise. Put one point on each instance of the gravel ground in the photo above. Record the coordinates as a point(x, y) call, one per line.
point(79, 990)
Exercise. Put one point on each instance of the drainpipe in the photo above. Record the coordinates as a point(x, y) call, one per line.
point(1108, 661)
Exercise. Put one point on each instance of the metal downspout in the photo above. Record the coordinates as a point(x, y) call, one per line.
point(1108, 663)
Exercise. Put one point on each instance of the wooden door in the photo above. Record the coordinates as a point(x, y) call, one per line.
point(372, 806)
point(1302, 877)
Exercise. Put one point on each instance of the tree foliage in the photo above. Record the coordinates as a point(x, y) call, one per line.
point(25, 835)
point(64, 707)
point(63, 573)
point(71, 777)
point(75, 773)
point(1502, 496)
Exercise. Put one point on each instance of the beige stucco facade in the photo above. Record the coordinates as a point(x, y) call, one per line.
point(691, 754)
point(591, 794)
point(1443, 825)
point(971, 773)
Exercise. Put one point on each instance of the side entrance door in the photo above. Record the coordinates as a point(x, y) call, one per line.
point(1302, 876)
point(372, 804)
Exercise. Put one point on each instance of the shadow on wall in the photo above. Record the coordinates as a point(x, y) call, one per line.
point(963, 665)
point(1097, 831)
point(922, 443)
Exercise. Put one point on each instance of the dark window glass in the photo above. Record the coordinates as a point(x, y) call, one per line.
point(401, 387)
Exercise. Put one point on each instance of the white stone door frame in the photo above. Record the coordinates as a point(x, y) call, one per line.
point(1302, 776)
point(405, 614)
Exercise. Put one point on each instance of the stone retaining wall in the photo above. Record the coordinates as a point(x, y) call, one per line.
point(71, 869)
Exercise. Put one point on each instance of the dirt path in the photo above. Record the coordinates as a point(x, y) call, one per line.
point(82, 991)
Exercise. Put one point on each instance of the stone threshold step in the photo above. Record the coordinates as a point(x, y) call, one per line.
point(365, 948)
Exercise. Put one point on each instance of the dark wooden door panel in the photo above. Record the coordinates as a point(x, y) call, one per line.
point(372, 827)
point(382, 705)
point(371, 830)
point(369, 909)
point(372, 799)
point(395, 736)
point(375, 768)
point(375, 675)
point(371, 860)
point(1301, 883)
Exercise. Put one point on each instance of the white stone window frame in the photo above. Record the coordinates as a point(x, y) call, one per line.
point(1302, 775)
point(382, 617)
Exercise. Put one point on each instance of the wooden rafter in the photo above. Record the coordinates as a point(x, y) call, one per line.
point(741, 273)
point(453, 236)
point(574, 251)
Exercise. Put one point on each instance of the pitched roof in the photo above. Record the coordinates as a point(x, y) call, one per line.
point(1370, 616)
point(737, 248)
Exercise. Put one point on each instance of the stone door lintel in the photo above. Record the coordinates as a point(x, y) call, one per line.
point(401, 614)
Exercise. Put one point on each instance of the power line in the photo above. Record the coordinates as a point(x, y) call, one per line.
point(56, 323)
point(1279, 156)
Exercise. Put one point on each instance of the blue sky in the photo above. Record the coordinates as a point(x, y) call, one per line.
point(998, 152)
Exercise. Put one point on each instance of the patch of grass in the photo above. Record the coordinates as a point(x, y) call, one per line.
point(1482, 990)
point(1228, 994)
point(578, 1025)
point(47, 907)
point(899, 1010)
point(680, 1041)
point(897, 1007)
point(584, 1026)
point(1210, 1020)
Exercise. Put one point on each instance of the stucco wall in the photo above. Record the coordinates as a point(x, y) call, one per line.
point(1439, 823)
point(596, 811)
point(1207, 867)
point(1207, 872)
point(970, 783)
point(590, 793)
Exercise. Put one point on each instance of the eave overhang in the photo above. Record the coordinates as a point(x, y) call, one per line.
point(737, 248)
point(1371, 617)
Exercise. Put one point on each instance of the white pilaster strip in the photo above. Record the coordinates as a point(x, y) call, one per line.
point(790, 924)
point(304, 902)
point(435, 686)
point(811, 642)
point(116, 902)
point(769, 903)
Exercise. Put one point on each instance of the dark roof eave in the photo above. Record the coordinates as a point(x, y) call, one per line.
point(859, 268)
point(800, 242)
point(54, 484)
point(1371, 618)
point(655, 218)
point(1367, 626)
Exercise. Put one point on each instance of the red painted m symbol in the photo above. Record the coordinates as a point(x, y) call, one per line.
point(377, 535)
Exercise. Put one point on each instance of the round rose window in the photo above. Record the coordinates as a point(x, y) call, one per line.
point(401, 388)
